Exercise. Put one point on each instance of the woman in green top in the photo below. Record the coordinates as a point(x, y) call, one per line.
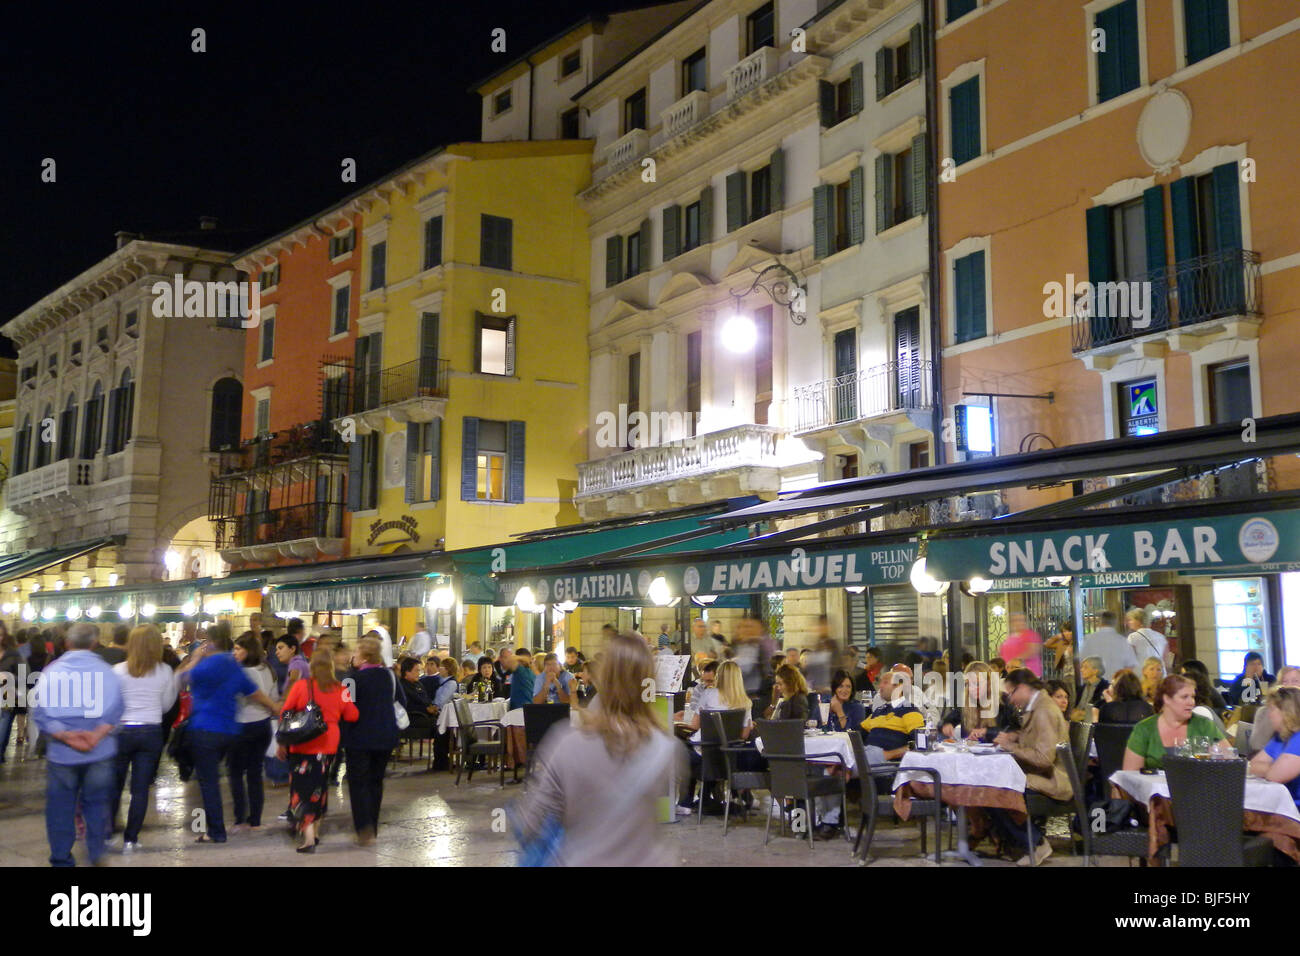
point(1171, 725)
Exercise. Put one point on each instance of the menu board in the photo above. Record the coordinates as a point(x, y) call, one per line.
point(1240, 619)
point(670, 670)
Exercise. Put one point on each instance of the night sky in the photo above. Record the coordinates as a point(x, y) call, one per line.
point(149, 136)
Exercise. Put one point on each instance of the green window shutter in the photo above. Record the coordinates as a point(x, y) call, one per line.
point(776, 181)
point(613, 261)
point(1118, 68)
point(1182, 203)
point(823, 196)
point(355, 456)
point(884, 71)
point(1220, 28)
point(736, 200)
point(857, 206)
point(469, 459)
point(959, 8)
point(969, 278)
point(1227, 207)
point(515, 452)
point(915, 54)
point(1153, 211)
point(964, 110)
point(433, 445)
point(644, 264)
point(672, 232)
point(1206, 27)
point(1100, 258)
point(412, 490)
point(856, 80)
point(920, 174)
point(706, 214)
point(884, 186)
point(826, 104)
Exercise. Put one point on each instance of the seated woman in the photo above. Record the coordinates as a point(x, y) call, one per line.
point(727, 693)
point(976, 716)
point(1093, 684)
point(1214, 699)
point(1170, 727)
point(1279, 761)
point(1262, 731)
point(1153, 672)
point(1060, 695)
point(1123, 701)
point(1205, 694)
point(845, 713)
point(485, 685)
point(791, 695)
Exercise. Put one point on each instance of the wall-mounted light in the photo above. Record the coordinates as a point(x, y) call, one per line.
point(856, 588)
point(148, 610)
point(1060, 581)
point(978, 585)
point(60, 585)
point(94, 611)
point(442, 598)
point(564, 607)
point(739, 334)
point(85, 580)
point(704, 600)
point(998, 610)
point(659, 592)
point(74, 612)
point(126, 609)
point(112, 579)
point(923, 582)
point(29, 612)
point(189, 608)
point(524, 599)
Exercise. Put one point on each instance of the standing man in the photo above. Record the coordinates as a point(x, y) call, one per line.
point(1145, 641)
point(1109, 644)
point(421, 643)
point(78, 702)
point(521, 677)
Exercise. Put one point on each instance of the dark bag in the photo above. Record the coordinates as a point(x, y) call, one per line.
point(300, 726)
point(178, 748)
point(1118, 814)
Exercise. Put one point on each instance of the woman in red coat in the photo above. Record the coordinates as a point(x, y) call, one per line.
point(312, 760)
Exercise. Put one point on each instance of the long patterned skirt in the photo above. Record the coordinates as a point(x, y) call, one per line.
point(309, 786)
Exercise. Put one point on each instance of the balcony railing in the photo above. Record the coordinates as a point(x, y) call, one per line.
point(422, 378)
point(743, 446)
point(1214, 286)
point(685, 113)
point(290, 444)
point(752, 72)
point(49, 483)
point(878, 390)
point(627, 149)
point(317, 519)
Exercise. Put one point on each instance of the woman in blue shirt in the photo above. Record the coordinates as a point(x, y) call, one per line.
point(846, 713)
point(1279, 761)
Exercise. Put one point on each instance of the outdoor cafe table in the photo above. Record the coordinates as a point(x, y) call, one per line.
point(969, 780)
point(1269, 809)
point(492, 710)
point(823, 748)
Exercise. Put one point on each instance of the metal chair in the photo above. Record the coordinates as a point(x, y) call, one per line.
point(713, 763)
point(877, 796)
point(1111, 740)
point(471, 747)
point(1208, 799)
point(792, 778)
point(538, 719)
point(1041, 805)
point(727, 727)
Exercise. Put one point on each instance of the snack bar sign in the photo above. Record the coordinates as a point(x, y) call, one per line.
point(797, 570)
point(1268, 542)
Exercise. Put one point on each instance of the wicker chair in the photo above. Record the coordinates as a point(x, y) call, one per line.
point(791, 775)
point(1041, 805)
point(470, 747)
point(1208, 798)
point(877, 797)
point(727, 727)
point(538, 719)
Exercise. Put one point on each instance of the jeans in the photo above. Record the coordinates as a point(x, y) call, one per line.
point(65, 784)
point(209, 749)
point(6, 725)
point(366, 786)
point(139, 749)
point(1012, 832)
point(245, 766)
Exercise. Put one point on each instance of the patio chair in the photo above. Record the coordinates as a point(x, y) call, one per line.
point(792, 777)
point(713, 762)
point(1041, 805)
point(1111, 739)
point(538, 719)
point(471, 747)
point(1209, 799)
point(727, 728)
point(1242, 742)
point(877, 797)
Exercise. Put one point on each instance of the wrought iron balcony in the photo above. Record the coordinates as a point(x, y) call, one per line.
point(1215, 286)
point(422, 378)
point(315, 519)
point(291, 444)
point(867, 393)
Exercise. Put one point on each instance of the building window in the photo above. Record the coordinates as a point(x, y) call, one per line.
point(367, 472)
point(968, 297)
point(691, 227)
point(423, 461)
point(760, 28)
point(760, 193)
point(52, 363)
point(634, 392)
point(227, 408)
point(378, 265)
point(67, 437)
point(1128, 235)
point(74, 355)
point(634, 111)
point(694, 73)
point(342, 244)
point(569, 126)
point(44, 449)
point(101, 338)
point(432, 242)
point(1206, 28)
point(92, 428)
point(266, 351)
point(495, 345)
point(570, 63)
point(900, 185)
point(495, 242)
point(959, 8)
point(492, 460)
point(1139, 412)
point(342, 304)
point(1230, 399)
point(121, 412)
point(896, 66)
point(848, 466)
point(501, 102)
point(964, 118)
point(269, 278)
point(262, 418)
point(131, 323)
point(838, 215)
point(842, 100)
point(918, 454)
point(1208, 270)
point(1118, 65)
point(491, 476)
point(634, 263)
point(694, 369)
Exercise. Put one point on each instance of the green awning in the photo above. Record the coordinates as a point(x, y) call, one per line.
point(34, 562)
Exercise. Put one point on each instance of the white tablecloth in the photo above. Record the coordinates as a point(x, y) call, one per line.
point(1262, 796)
point(494, 710)
point(964, 770)
point(825, 745)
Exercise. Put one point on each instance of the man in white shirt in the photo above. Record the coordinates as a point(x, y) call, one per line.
point(1145, 641)
point(1110, 645)
point(420, 644)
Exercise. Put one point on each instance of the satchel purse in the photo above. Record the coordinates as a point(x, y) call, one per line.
point(300, 726)
point(403, 718)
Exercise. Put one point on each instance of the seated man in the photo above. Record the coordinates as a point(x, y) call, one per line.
point(553, 683)
point(893, 720)
point(419, 706)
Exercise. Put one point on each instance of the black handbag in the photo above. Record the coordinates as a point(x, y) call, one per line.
point(300, 726)
point(179, 749)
